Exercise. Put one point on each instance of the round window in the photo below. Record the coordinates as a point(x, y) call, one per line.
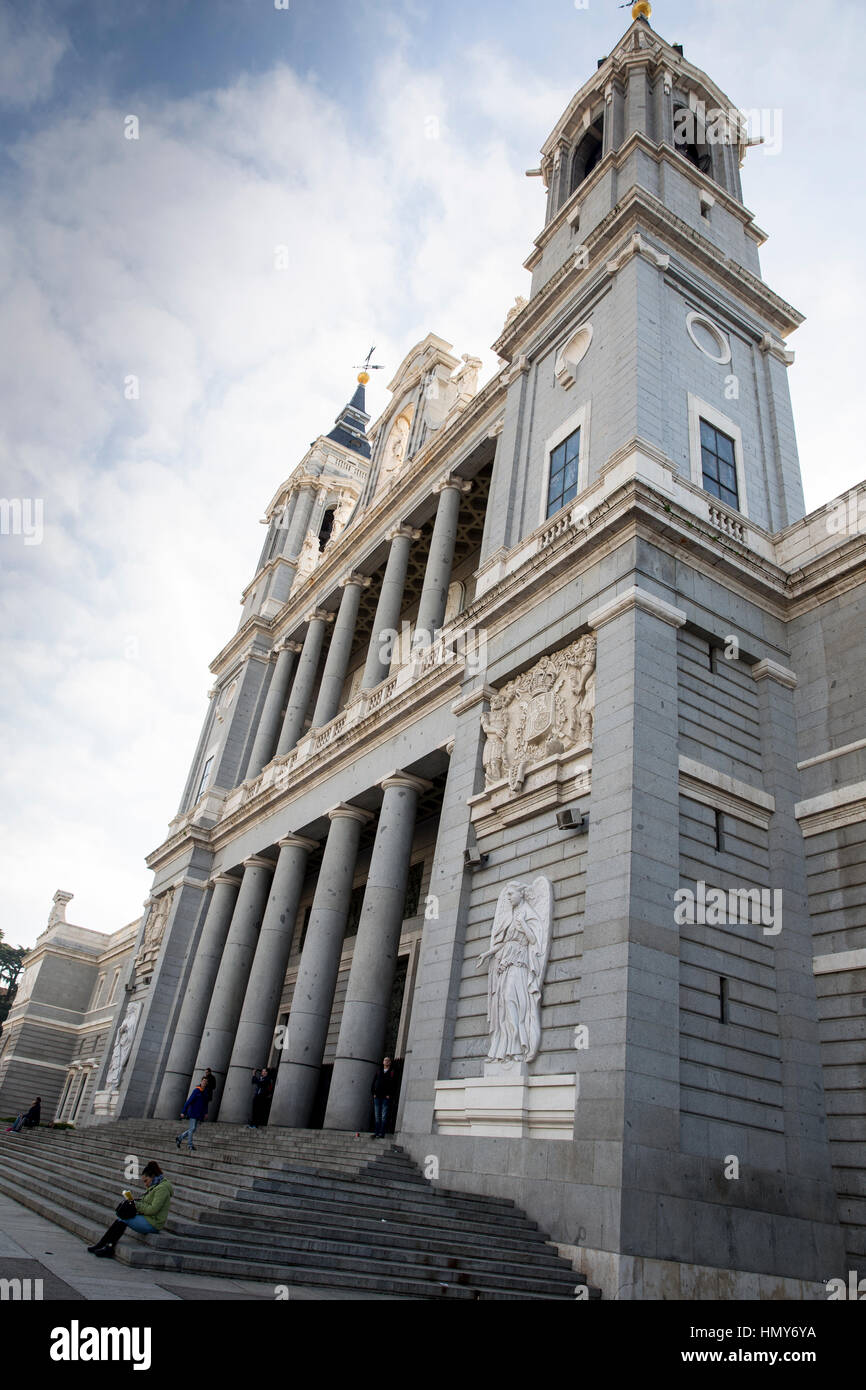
point(708, 338)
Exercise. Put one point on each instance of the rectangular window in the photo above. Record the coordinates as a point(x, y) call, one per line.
point(205, 778)
point(564, 460)
point(718, 462)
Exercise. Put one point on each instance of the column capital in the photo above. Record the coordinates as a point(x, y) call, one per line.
point(343, 809)
point(355, 577)
point(320, 615)
point(398, 778)
point(450, 480)
point(288, 644)
point(301, 841)
point(226, 878)
point(306, 480)
point(771, 670)
point(258, 861)
point(404, 529)
point(636, 597)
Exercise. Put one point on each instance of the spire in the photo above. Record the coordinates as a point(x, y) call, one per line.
point(350, 426)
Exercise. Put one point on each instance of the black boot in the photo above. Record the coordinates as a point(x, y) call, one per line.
point(105, 1245)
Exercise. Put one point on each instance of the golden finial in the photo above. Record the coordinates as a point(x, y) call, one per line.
point(367, 367)
point(641, 9)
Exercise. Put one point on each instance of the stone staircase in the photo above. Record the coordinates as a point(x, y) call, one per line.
point(309, 1207)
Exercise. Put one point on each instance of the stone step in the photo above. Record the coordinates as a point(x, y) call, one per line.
point(305, 1208)
point(308, 1228)
point(399, 1235)
point(297, 1182)
point(346, 1255)
point(83, 1218)
point(307, 1185)
point(206, 1196)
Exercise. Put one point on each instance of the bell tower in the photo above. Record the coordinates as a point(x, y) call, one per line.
point(647, 304)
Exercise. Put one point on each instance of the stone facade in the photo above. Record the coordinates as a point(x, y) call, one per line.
point(55, 1039)
point(533, 644)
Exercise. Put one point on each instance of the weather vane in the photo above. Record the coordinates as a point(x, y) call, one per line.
point(641, 9)
point(367, 367)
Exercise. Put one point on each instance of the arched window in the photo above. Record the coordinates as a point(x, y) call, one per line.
point(326, 527)
point(587, 154)
point(690, 138)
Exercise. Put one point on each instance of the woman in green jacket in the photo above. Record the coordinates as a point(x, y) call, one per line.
point(151, 1212)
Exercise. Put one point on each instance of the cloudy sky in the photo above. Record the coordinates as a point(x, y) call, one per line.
point(160, 376)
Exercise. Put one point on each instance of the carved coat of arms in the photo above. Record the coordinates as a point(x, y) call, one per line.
point(546, 710)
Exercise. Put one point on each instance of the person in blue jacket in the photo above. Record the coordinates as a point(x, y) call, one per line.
point(194, 1110)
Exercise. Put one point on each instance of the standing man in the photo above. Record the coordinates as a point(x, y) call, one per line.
point(209, 1083)
point(383, 1090)
point(264, 1089)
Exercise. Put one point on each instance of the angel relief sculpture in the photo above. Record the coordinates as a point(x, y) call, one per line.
point(518, 952)
point(546, 710)
point(122, 1046)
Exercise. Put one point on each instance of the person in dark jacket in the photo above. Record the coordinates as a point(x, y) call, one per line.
point(383, 1090)
point(209, 1083)
point(29, 1121)
point(264, 1089)
point(194, 1110)
point(151, 1212)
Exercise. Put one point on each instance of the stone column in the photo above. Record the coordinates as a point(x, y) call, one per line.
point(337, 660)
point(261, 1006)
point(190, 1025)
point(390, 603)
point(269, 724)
point(374, 961)
point(310, 1015)
point(231, 981)
point(301, 514)
point(437, 575)
point(305, 679)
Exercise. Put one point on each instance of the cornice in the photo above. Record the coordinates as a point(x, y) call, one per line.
point(642, 211)
point(189, 836)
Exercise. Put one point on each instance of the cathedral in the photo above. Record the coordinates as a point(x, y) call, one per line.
point(537, 762)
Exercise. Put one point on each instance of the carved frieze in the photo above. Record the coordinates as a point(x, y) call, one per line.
point(154, 931)
point(545, 710)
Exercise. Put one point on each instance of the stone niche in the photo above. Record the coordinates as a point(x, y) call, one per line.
point(538, 745)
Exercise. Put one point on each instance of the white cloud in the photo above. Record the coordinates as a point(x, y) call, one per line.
point(156, 258)
point(29, 54)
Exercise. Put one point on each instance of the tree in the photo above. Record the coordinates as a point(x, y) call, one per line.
point(11, 965)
